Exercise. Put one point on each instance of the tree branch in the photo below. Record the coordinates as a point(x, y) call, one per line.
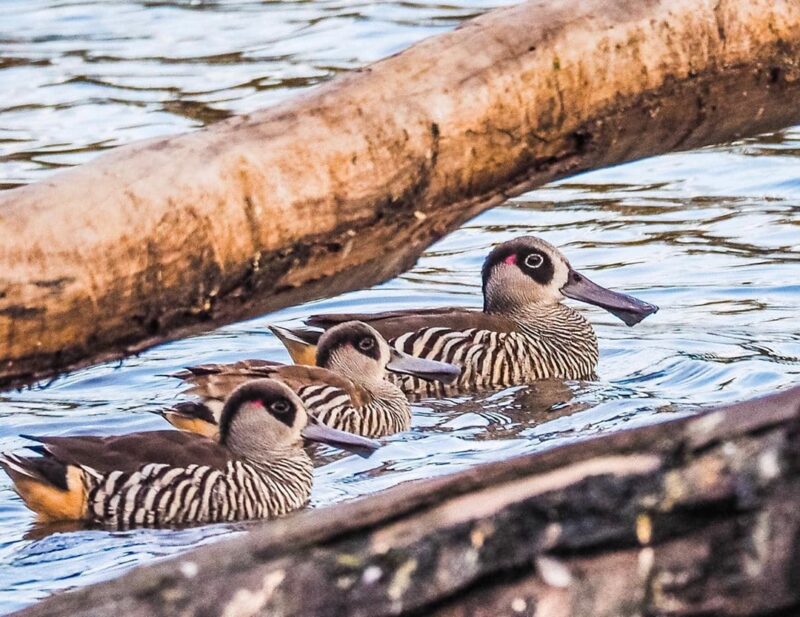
point(344, 186)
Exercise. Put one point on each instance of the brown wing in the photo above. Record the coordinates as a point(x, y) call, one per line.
point(392, 324)
point(217, 381)
point(255, 369)
point(127, 453)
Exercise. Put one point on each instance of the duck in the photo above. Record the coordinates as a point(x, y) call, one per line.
point(524, 332)
point(345, 388)
point(257, 468)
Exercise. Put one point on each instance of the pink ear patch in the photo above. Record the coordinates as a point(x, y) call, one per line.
point(510, 260)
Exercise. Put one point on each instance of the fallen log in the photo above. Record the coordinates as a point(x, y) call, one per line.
point(344, 186)
point(696, 516)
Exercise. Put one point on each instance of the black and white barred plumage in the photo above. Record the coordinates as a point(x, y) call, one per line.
point(163, 495)
point(386, 412)
point(256, 468)
point(555, 342)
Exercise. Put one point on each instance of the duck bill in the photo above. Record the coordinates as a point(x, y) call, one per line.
point(627, 308)
point(429, 370)
point(314, 431)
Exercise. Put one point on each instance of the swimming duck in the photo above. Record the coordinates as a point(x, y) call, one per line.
point(524, 332)
point(257, 469)
point(347, 389)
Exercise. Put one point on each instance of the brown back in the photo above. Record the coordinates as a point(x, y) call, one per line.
point(392, 324)
point(217, 381)
point(127, 453)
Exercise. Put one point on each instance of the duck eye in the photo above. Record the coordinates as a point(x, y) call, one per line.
point(533, 261)
point(280, 407)
point(366, 343)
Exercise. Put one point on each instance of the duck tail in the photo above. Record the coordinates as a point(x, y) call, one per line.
point(192, 417)
point(301, 343)
point(54, 490)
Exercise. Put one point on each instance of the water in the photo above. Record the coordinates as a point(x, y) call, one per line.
point(713, 237)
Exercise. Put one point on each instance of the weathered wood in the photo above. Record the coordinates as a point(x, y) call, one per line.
point(697, 516)
point(346, 185)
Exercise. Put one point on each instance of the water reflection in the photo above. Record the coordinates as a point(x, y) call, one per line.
point(710, 236)
point(508, 413)
point(78, 77)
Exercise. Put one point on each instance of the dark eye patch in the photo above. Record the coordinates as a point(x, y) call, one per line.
point(368, 345)
point(537, 265)
point(533, 261)
point(283, 410)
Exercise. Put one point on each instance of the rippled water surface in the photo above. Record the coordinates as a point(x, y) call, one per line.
point(713, 237)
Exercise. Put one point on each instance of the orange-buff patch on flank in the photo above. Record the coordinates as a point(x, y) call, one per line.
point(52, 503)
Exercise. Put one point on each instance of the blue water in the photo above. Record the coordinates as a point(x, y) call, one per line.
point(712, 237)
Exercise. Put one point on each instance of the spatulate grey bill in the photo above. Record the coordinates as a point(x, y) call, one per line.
point(428, 370)
point(316, 431)
point(627, 308)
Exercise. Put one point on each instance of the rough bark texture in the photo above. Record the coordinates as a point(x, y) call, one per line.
point(346, 185)
point(691, 517)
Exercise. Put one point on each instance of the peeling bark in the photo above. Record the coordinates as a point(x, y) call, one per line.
point(344, 186)
point(696, 516)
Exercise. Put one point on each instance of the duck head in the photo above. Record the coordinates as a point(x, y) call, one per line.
point(263, 418)
point(357, 351)
point(528, 271)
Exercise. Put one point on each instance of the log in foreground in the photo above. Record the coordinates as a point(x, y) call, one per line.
point(346, 185)
point(697, 516)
